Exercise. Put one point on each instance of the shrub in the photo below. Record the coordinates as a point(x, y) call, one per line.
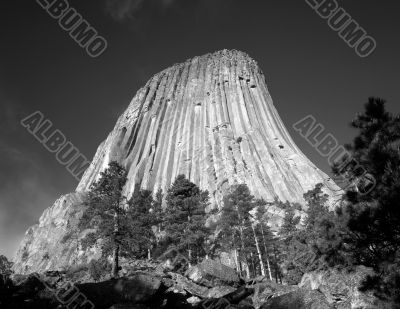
point(76, 272)
point(5, 266)
point(99, 268)
point(65, 238)
point(25, 255)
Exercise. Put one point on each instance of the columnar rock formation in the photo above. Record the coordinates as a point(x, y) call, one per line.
point(210, 118)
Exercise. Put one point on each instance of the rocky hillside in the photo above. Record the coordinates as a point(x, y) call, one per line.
point(210, 118)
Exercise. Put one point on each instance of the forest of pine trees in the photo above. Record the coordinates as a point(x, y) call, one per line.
point(365, 230)
point(140, 228)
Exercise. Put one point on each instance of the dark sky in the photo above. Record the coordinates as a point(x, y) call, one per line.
point(309, 70)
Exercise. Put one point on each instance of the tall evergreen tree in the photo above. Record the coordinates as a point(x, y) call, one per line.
point(236, 224)
point(158, 210)
point(227, 233)
point(105, 213)
point(185, 218)
point(289, 245)
point(5, 266)
point(289, 224)
point(140, 218)
point(267, 237)
point(318, 243)
point(372, 210)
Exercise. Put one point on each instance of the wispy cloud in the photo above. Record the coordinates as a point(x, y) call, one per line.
point(121, 10)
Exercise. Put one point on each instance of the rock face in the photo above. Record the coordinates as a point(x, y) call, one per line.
point(210, 118)
point(53, 242)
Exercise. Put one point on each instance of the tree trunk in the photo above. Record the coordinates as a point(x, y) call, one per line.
point(235, 251)
point(190, 257)
point(266, 254)
point(238, 266)
point(246, 265)
point(115, 265)
point(278, 275)
point(241, 224)
point(262, 267)
point(253, 266)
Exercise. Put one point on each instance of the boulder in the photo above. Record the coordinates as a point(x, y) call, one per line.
point(139, 288)
point(300, 299)
point(341, 287)
point(182, 285)
point(269, 289)
point(231, 300)
point(219, 291)
point(212, 273)
point(193, 300)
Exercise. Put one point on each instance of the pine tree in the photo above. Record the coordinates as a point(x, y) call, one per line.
point(268, 239)
point(316, 205)
point(158, 210)
point(105, 213)
point(318, 243)
point(372, 211)
point(227, 233)
point(289, 224)
point(324, 234)
point(185, 218)
point(235, 225)
point(258, 247)
point(5, 266)
point(140, 219)
point(289, 245)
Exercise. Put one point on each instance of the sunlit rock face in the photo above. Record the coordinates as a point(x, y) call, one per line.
point(53, 243)
point(210, 118)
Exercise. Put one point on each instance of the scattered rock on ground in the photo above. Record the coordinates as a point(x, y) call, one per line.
point(138, 288)
point(193, 300)
point(300, 299)
point(219, 291)
point(182, 284)
point(340, 287)
point(212, 273)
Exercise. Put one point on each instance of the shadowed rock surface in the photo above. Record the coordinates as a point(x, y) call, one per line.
point(300, 299)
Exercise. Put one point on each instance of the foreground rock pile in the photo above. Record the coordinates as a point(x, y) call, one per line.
point(207, 286)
